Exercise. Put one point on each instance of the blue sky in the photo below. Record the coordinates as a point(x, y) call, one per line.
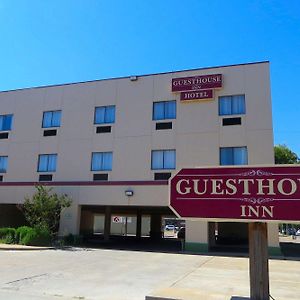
point(58, 41)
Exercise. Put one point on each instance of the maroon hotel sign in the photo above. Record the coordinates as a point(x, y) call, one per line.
point(197, 83)
point(237, 193)
point(196, 87)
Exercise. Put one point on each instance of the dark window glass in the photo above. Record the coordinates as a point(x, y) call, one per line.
point(163, 159)
point(164, 110)
point(47, 163)
point(104, 114)
point(233, 156)
point(232, 105)
point(51, 119)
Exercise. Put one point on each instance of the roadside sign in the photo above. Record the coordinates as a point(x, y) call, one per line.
point(257, 194)
point(237, 193)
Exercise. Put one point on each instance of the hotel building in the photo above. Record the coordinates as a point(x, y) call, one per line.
point(112, 144)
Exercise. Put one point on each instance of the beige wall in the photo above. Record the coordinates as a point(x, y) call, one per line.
point(197, 132)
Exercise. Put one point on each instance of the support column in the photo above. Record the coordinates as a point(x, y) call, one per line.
point(70, 220)
point(196, 236)
point(273, 240)
point(258, 261)
point(139, 224)
point(211, 235)
point(107, 223)
point(155, 227)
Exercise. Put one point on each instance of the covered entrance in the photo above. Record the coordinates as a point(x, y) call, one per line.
point(130, 227)
point(228, 236)
point(11, 216)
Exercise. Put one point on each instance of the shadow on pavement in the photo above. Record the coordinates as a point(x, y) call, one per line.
point(132, 244)
point(290, 249)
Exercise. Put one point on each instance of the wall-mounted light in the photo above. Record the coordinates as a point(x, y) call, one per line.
point(129, 193)
point(133, 78)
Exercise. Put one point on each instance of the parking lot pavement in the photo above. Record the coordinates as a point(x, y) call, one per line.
point(122, 275)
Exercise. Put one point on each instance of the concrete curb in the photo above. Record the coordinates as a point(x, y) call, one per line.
point(16, 247)
point(160, 298)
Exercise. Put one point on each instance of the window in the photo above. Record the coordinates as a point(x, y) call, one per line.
point(233, 156)
point(104, 114)
point(164, 110)
point(163, 159)
point(232, 105)
point(47, 163)
point(101, 161)
point(51, 118)
point(3, 164)
point(5, 122)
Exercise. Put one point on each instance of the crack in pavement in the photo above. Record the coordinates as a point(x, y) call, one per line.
point(26, 278)
point(190, 272)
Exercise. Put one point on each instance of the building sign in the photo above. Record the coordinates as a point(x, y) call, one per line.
point(121, 220)
point(196, 95)
point(196, 87)
point(197, 83)
point(117, 219)
point(237, 193)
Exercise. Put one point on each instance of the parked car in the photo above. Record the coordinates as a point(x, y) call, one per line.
point(298, 232)
point(170, 227)
point(291, 231)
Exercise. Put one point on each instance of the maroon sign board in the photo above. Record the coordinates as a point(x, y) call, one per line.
point(237, 193)
point(195, 95)
point(196, 87)
point(197, 83)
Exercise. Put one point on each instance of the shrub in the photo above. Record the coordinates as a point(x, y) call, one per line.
point(69, 239)
point(43, 209)
point(22, 233)
point(33, 236)
point(8, 235)
point(37, 237)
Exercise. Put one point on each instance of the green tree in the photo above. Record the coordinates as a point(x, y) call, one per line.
point(284, 155)
point(44, 208)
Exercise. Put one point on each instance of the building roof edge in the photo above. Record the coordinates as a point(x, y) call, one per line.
point(143, 75)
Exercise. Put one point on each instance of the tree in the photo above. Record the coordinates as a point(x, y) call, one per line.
point(283, 155)
point(44, 208)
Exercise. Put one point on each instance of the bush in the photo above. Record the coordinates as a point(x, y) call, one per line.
point(35, 237)
point(29, 236)
point(44, 208)
point(25, 236)
point(8, 235)
point(22, 234)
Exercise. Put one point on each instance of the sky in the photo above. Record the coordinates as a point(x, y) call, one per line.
point(46, 42)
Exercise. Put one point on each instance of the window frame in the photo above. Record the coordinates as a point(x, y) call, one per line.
point(163, 152)
point(164, 118)
point(47, 171)
point(51, 111)
point(105, 109)
point(102, 170)
point(4, 116)
point(233, 157)
point(231, 99)
point(3, 171)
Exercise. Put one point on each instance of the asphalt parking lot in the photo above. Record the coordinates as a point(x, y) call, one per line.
point(106, 274)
